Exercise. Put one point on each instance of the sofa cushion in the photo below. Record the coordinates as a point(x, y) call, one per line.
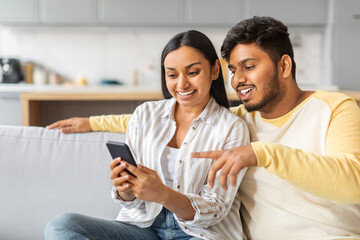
point(44, 173)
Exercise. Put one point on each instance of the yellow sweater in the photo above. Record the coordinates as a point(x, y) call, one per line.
point(307, 185)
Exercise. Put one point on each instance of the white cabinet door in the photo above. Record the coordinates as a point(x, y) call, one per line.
point(141, 12)
point(213, 12)
point(291, 12)
point(18, 11)
point(346, 44)
point(67, 11)
point(10, 106)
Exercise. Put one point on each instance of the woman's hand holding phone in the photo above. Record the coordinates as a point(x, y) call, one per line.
point(120, 178)
point(145, 184)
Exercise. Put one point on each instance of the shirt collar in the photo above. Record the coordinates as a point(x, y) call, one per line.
point(207, 114)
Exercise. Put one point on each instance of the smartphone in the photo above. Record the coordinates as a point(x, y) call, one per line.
point(120, 149)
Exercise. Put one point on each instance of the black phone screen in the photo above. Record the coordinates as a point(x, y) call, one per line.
point(120, 149)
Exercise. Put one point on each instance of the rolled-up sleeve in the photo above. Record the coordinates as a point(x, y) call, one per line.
point(127, 204)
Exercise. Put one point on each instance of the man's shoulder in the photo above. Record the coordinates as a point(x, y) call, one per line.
point(239, 110)
point(332, 99)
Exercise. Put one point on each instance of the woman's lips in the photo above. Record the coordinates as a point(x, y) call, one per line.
point(187, 94)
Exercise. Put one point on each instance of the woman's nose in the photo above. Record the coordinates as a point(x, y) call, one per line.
point(183, 82)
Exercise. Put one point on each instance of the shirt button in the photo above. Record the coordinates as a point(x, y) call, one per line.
point(178, 186)
point(185, 227)
point(185, 144)
point(193, 128)
point(180, 161)
point(215, 215)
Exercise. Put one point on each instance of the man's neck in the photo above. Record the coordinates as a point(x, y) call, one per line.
point(293, 97)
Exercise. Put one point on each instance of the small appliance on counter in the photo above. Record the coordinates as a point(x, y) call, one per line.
point(10, 70)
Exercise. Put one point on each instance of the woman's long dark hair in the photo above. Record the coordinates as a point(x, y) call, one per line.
point(201, 42)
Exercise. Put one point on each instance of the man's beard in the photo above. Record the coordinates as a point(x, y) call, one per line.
point(273, 95)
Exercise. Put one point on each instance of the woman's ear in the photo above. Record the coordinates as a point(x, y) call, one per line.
point(215, 70)
point(285, 66)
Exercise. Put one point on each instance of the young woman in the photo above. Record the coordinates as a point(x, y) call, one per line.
point(168, 196)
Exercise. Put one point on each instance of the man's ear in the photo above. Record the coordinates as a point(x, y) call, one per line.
point(285, 66)
point(215, 70)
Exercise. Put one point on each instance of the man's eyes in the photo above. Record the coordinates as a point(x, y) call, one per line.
point(249, 67)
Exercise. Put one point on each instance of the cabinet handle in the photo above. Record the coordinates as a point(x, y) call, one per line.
point(356, 16)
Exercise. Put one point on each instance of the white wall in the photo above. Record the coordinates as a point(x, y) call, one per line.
point(97, 53)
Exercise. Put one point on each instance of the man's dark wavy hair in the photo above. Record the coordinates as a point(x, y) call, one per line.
point(267, 33)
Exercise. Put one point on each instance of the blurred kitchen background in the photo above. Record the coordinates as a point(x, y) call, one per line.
point(63, 58)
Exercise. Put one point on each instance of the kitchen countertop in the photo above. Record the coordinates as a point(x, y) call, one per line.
point(91, 88)
point(33, 95)
point(95, 89)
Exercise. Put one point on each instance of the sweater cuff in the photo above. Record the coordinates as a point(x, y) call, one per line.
point(259, 150)
point(94, 123)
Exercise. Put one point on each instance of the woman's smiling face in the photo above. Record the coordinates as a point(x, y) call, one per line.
point(189, 76)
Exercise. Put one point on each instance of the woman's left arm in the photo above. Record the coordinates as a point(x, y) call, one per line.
point(214, 203)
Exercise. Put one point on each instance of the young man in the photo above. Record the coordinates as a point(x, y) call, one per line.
point(303, 180)
point(304, 175)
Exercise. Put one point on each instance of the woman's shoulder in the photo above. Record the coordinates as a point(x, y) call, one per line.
point(154, 107)
point(229, 117)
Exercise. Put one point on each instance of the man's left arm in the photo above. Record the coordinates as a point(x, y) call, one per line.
point(334, 176)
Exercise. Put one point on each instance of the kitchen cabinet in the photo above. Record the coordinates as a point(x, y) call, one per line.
point(213, 12)
point(67, 11)
point(16, 11)
point(10, 106)
point(141, 12)
point(168, 13)
point(346, 44)
point(291, 12)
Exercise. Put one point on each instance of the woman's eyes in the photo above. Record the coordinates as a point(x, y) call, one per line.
point(173, 76)
point(194, 73)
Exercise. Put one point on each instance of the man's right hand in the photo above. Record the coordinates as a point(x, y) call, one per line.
point(72, 125)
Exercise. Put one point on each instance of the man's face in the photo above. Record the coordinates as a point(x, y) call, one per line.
point(255, 78)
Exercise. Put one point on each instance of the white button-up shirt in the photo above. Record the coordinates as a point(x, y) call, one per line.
point(151, 128)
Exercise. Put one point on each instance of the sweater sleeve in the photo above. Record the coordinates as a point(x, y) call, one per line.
point(335, 175)
point(119, 123)
point(110, 123)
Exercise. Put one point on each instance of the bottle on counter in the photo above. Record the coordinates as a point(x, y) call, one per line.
point(54, 78)
point(29, 72)
point(40, 75)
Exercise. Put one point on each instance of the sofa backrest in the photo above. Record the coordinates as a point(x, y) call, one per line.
point(44, 173)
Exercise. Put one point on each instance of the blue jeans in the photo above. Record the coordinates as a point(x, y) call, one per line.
point(75, 226)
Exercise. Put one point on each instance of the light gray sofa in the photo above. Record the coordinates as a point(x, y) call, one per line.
point(44, 173)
